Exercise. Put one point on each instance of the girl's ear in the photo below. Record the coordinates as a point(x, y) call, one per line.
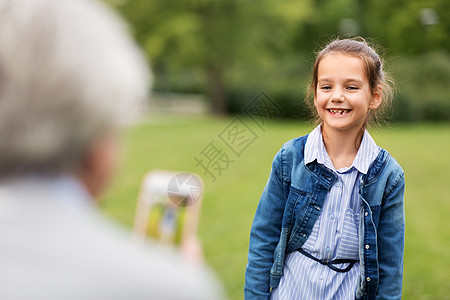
point(376, 98)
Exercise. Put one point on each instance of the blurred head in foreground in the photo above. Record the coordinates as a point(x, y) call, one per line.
point(70, 76)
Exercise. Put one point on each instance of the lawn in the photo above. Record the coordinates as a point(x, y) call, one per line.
point(230, 201)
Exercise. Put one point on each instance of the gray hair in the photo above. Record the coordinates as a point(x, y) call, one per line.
point(69, 73)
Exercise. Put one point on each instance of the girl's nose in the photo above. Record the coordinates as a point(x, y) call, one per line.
point(338, 96)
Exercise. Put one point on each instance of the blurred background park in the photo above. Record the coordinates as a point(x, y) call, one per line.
point(221, 65)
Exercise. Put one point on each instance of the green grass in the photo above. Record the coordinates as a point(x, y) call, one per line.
point(230, 202)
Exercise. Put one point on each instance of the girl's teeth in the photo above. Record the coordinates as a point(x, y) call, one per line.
point(339, 112)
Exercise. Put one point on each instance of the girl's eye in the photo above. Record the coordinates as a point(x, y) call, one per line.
point(326, 87)
point(352, 88)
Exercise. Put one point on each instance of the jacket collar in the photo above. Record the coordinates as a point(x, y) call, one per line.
point(327, 178)
point(376, 167)
point(315, 150)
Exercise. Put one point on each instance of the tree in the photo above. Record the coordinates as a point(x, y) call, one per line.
point(214, 36)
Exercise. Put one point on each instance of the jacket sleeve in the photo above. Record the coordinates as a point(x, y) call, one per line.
point(391, 241)
point(265, 233)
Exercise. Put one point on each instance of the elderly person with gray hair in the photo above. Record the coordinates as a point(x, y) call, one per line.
point(69, 78)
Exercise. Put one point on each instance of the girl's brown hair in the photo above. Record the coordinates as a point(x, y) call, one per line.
point(373, 66)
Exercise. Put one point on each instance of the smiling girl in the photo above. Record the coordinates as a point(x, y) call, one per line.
point(330, 221)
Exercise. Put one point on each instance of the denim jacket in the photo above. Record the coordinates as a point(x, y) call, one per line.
point(291, 203)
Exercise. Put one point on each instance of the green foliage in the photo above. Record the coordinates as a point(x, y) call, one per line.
point(285, 83)
point(230, 203)
point(227, 49)
point(399, 24)
point(195, 33)
point(216, 37)
point(424, 89)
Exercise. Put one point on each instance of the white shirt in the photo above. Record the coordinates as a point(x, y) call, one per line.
point(55, 245)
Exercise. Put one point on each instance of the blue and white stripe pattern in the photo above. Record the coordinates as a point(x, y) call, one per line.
point(335, 233)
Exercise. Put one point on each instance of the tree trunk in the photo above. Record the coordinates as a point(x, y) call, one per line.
point(216, 90)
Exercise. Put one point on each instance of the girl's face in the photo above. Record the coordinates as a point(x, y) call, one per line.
point(343, 97)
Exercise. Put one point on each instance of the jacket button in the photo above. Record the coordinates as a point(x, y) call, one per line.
point(366, 213)
point(367, 247)
point(368, 279)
